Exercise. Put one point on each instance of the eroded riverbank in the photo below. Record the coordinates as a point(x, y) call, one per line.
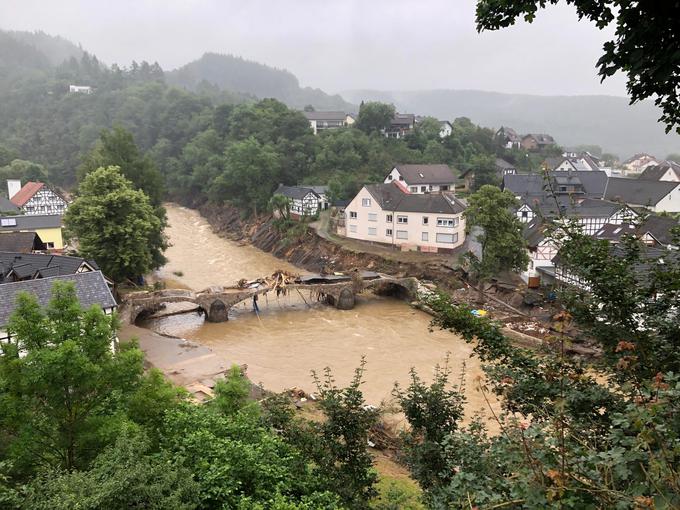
point(292, 335)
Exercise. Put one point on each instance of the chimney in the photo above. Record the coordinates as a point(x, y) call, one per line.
point(13, 187)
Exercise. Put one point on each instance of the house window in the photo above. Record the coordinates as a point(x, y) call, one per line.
point(366, 202)
point(426, 220)
point(352, 215)
point(389, 177)
point(372, 231)
point(424, 236)
point(402, 234)
point(447, 222)
point(388, 218)
point(388, 232)
point(402, 219)
point(401, 178)
point(413, 189)
point(444, 187)
point(447, 238)
point(372, 216)
point(525, 214)
point(563, 188)
point(8, 222)
point(423, 189)
point(49, 245)
point(353, 228)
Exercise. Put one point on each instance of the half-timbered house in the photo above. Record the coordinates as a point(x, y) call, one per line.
point(36, 198)
point(304, 202)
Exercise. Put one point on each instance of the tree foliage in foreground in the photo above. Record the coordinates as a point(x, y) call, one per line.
point(116, 225)
point(645, 45)
point(572, 435)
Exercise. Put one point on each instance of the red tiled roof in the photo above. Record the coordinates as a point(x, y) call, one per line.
point(26, 193)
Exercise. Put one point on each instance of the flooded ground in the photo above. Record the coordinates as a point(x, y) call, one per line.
point(293, 335)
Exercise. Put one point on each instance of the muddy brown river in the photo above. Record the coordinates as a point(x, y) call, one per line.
point(293, 335)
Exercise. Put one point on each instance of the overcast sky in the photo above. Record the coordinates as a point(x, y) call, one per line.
point(337, 44)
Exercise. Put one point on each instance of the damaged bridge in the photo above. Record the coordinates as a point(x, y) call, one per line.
point(216, 301)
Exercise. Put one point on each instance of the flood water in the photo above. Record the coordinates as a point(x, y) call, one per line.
point(294, 334)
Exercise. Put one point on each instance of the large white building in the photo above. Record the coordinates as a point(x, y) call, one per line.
point(389, 214)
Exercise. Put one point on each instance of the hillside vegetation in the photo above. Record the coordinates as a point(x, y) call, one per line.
point(607, 121)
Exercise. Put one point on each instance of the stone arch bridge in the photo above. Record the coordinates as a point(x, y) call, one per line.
point(215, 301)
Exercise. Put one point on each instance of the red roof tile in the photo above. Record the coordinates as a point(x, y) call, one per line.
point(26, 193)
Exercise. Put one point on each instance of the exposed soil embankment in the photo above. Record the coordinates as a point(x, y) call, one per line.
point(313, 253)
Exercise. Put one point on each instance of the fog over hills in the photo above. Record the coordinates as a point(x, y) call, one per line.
point(607, 121)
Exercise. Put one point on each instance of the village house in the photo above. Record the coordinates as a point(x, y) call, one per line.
point(508, 138)
point(16, 267)
point(446, 128)
point(656, 196)
point(389, 214)
point(304, 201)
point(21, 242)
point(637, 163)
point(80, 89)
point(35, 198)
point(656, 231)
point(401, 125)
point(321, 121)
point(536, 141)
point(423, 178)
point(91, 289)
point(665, 171)
point(501, 169)
point(48, 228)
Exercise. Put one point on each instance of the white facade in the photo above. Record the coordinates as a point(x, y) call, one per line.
point(430, 232)
point(669, 203)
point(418, 188)
point(45, 202)
point(80, 89)
point(446, 129)
point(13, 187)
point(306, 206)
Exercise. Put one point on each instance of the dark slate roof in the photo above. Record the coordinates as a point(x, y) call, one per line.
point(532, 185)
point(613, 233)
point(504, 165)
point(332, 116)
point(659, 227)
point(295, 192)
point(32, 222)
point(319, 190)
point(656, 172)
point(541, 138)
point(404, 119)
point(426, 174)
point(391, 197)
point(638, 192)
point(21, 242)
point(91, 289)
point(7, 205)
point(534, 232)
point(26, 265)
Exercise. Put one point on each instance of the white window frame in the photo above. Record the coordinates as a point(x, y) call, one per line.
point(426, 220)
point(365, 202)
point(453, 236)
point(402, 234)
point(388, 232)
point(424, 236)
point(447, 222)
point(353, 229)
point(413, 189)
point(372, 216)
point(402, 220)
point(352, 215)
point(389, 218)
point(372, 231)
point(8, 222)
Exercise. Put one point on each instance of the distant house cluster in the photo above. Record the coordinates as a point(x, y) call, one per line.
point(508, 138)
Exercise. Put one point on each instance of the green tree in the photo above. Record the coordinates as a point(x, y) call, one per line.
point(430, 127)
point(655, 76)
point(58, 398)
point(250, 175)
point(116, 147)
point(116, 225)
point(23, 170)
point(484, 168)
point(491, 220)
point(374, 116)
point(280, 205)
point(673, 157)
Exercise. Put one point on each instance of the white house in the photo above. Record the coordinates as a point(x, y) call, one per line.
point(35, 198)
point(666, 171)
point(304, 202)
point(388, 214)
point(80, 89)
point(657, 196)
point(446, 129)
point(423, 178)
point(321, 121)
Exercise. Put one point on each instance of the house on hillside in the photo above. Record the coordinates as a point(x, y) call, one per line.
point(321, 121)
point(637, 163)
point(508, 138)
point(501, 169)
point(665, 171)
point(536, 141)
point(388, 214)
point(35, 198)
point(446, 128)
point(423, 178)
point(48, 228)
point(16, 267)
point(80, 89)
point(657, 196)
point(401, 125)
point(20, 242)
point(304, 201)
point(654, 231)
point(91, 289)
